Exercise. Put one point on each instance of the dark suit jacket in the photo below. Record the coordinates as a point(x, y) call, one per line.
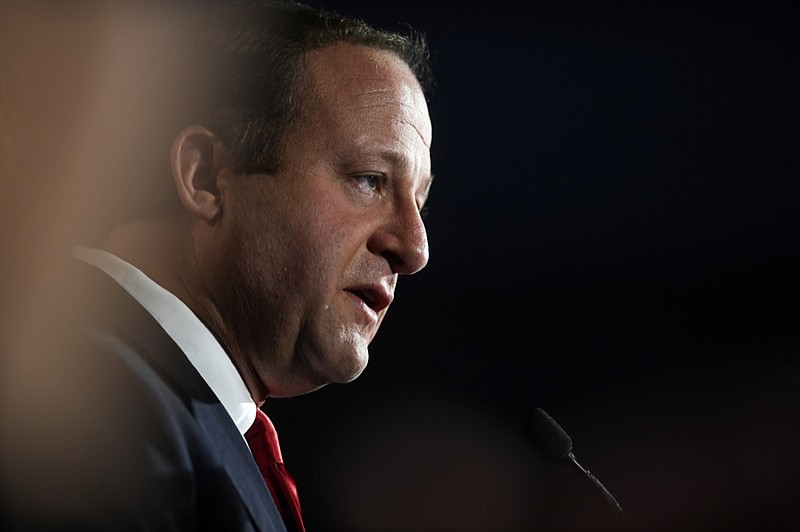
point(114, 429)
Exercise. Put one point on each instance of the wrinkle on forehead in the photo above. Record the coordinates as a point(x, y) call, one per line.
point(413, 116)
point(426, 140)
point(352, 72)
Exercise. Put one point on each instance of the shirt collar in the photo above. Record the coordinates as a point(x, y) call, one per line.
point(198, 344)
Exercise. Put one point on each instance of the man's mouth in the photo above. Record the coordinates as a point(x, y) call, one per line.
point(375, 297)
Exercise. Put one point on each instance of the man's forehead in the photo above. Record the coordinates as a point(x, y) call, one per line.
point(343, 76)
point(341, 57)
point(345, 68)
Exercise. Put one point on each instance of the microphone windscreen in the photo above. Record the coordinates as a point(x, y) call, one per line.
point(553, 441)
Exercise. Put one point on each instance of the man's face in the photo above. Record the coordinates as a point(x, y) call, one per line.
point(312, 253)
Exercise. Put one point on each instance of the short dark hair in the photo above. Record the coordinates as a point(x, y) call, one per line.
point(237, 71)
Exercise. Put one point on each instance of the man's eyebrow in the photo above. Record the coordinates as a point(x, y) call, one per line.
point(400, 160)
point(395, 158)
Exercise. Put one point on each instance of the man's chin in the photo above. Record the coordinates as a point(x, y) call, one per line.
point(340, 376)
point(346, 368)
point(352, 372)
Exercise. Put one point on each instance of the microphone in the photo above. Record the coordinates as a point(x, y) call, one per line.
point(556, 445)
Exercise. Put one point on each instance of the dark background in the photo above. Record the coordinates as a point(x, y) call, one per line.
point(614, 238)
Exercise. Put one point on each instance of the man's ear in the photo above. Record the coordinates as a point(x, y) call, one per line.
point(197, 158)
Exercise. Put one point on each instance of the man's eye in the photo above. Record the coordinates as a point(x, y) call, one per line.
point(369, 181)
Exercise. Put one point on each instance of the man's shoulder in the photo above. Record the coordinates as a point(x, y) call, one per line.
point(95, 323)
point(111, 422)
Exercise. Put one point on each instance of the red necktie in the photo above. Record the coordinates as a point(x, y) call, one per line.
point(263, 442)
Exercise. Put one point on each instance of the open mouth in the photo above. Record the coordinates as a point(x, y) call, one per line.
point(375, 298)
point(364, 296)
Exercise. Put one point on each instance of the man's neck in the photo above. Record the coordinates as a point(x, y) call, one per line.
point(164, 251)
point(157, 250)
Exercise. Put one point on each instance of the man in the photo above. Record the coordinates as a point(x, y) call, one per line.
point(298, 172)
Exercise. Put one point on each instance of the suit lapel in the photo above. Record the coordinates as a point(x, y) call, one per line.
point(129, 319)
point(240, 465)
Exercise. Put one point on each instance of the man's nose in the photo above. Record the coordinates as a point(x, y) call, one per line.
point(402, 240)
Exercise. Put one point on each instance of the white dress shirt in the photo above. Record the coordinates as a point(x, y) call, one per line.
point(185, 328)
